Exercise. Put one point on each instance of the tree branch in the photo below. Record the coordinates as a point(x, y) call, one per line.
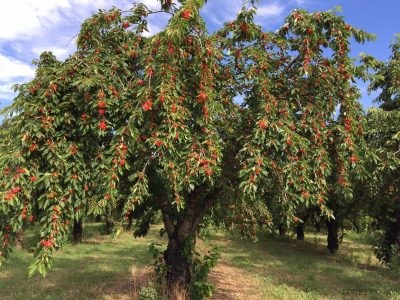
point(168, 223)
point(206, 204)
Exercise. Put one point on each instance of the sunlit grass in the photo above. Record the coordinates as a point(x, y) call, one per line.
point(98, 268)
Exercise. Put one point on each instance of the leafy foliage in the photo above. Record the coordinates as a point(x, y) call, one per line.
point(383, 137)
point(136, 125)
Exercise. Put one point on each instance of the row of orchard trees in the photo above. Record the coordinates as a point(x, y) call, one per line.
point(131, 125)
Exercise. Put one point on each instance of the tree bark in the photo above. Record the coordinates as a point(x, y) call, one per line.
point(181, 232)
point(109, 221)
point(19, 239)
point(318, 226)
point(282, 229)
point(109, 226)
point(333, 238)
point(178, 274)
point(300, 231)
point(77, 231)
point(392, 237)
point(130, 220)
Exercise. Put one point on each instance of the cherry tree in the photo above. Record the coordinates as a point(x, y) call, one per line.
point(139, 125)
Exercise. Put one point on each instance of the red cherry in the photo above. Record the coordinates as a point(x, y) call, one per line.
point(186, 14)
point(208, 171)
point(101, 104)
point(353, 159)
point(262, 124)
point(147, 105)
point(103, 125)
point(202, 97)
point(126, 24)
point(32, 147)
point(244, 27)
point(305, 194)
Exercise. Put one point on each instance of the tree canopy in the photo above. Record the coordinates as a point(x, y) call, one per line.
point(143, 124)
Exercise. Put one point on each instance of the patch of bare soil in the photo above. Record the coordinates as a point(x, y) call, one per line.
point(232, 283)
point(129, 289)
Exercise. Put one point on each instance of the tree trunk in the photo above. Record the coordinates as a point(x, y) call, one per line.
point(181, 237)
point(109, 220)
point(333, 239)
point(130, 220)
point(77, 231)
point(109, 226)
point(318, 226)
point(282, 229)
point(178, 274)
point(300, 231)
point(391, 237)
point(19, 238)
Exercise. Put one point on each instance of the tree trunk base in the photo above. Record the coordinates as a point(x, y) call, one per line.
point(109, 226)
point(333, 238)
point(318, 226)
point(77, 232)
point(19, 239)
point(282, 229)
point(178, 274)
point(300, 231)
point(391, 238)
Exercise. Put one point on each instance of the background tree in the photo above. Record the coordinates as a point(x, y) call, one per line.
point(297, 145)
point(383, 135)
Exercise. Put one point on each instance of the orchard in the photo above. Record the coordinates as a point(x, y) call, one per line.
point(131, 127)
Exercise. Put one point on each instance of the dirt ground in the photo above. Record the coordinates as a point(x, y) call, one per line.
point(233, 283)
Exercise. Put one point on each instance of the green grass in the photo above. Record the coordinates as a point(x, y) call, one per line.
point(289, 269)
point(100, 268)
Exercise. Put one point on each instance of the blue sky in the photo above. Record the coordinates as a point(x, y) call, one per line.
point(29, 27)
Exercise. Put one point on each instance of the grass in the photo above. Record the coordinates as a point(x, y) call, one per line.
point(272, 268)
point(289, 269)
point(99, 268)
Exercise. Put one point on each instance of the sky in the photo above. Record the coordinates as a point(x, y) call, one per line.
point(29, 27)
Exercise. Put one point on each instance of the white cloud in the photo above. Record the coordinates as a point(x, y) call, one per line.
point(24, 18)
point(152, 29)
point(6, 94)
point(60, 52)
point(270, 10)
point(12, 71)
point(12, 68)
point(221, 11)
point(29, 27)
point(151, 4)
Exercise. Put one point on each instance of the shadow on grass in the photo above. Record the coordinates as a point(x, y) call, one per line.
point(307, 267)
